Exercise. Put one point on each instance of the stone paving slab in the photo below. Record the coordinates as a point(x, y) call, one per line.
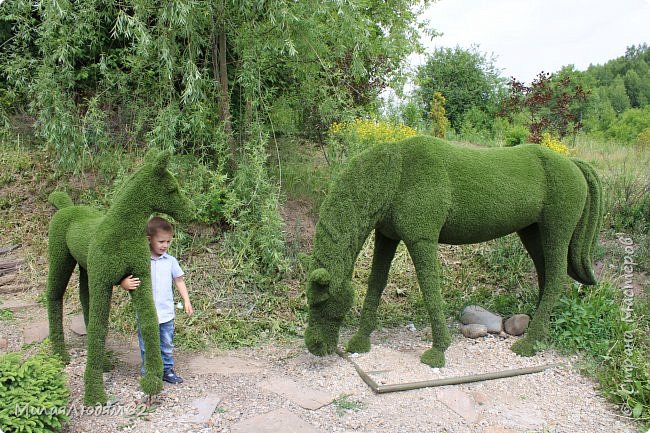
point(17, 304)
point(303, 396)
point(461, 403)
point(224, 365)
point(281, 420)
point(35, 331)
point(77, 324)
point(205, 407)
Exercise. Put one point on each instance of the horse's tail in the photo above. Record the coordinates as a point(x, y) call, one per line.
point(585, 235)
point(60, 199)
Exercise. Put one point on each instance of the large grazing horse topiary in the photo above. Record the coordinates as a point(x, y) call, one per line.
point(109, 247)
point(424, 191)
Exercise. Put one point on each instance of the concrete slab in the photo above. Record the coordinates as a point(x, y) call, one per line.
point(17, 304)
point(303, 396)
point(281, 420)
point(77, 324)
point(461, 403)
point(35, 331)
point(204, 407)
point(224, 365)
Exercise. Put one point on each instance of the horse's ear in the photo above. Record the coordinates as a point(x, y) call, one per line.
point(162, 161)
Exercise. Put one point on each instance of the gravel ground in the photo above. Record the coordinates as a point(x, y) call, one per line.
point(557, 400)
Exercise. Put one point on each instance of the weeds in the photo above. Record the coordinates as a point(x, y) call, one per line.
point(344, 404)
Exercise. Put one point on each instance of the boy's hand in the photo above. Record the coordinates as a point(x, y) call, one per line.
point(130, 283)
point(188, 307)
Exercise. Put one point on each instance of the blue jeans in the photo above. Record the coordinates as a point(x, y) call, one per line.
point(166, 345)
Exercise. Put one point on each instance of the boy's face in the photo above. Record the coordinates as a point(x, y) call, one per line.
point(159, 242)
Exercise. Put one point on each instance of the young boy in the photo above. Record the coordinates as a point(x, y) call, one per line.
point(164, 270)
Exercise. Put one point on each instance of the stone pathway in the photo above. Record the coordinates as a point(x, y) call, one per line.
point(273, 389)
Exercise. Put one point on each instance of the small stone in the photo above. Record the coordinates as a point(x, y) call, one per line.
point(3, 343)
point(517, 324)
point(474, 330)
point(479, 315)
point(411, 327)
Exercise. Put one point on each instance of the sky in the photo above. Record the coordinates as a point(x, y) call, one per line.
point(530, 36)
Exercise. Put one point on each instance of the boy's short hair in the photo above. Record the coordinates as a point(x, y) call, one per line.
point(158, 224)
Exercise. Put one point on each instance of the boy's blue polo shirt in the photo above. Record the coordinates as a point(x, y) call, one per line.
point(163, 270)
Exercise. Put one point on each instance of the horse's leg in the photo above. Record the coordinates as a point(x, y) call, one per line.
point(532, 242)
point(427, 267)
point(100, 303)
point(142, 297)
point(383, 256)
point(61, 265)
point(555, 247)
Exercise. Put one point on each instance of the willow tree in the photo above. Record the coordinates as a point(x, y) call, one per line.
point(199, 77)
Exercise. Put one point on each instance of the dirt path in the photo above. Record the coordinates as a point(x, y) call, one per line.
point(277, 388)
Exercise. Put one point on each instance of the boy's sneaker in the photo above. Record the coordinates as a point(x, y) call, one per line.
point(170, 377)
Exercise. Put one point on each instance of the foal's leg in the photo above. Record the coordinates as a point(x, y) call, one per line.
point(383, 256)
point(142, 297)
point(61, 265)
point(100, 304)
point(427, 267)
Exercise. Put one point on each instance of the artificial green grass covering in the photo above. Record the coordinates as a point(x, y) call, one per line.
point(424, 191)
point(108, 247)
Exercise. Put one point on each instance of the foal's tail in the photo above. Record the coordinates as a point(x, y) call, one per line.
point(585, 235)
point(60, 199)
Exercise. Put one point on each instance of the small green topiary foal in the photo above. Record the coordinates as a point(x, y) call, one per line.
point(425, 191)
point(107, 248)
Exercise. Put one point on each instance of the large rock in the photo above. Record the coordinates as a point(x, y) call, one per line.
point(517, 324)
point(474, 330)
point(475, 314)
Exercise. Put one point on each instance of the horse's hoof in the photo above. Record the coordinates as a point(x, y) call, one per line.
point(358, 344)
point(524, 347)
point(151, 384)
point(433, 358)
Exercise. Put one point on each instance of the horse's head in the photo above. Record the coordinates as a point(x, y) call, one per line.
point(160, 189)
point(329, 299)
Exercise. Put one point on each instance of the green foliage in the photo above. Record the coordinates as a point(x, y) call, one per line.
point(348, 139)
point(467, 79)
point(630, 125)
point(437, 116)
point(344, 404)
point(6, 314)
point(256, 241)
point(590, 320)
point(34, 393)
point(516, 134)
point(584, 319)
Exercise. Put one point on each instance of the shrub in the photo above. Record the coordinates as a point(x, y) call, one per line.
point(554, 144)
point(643, 139)
point(515, 135)
point(34, 393)
point(347, 139)
point(592, 320)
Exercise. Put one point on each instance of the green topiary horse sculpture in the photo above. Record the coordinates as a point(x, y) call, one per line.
point(424, 191)
point(107, 248)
